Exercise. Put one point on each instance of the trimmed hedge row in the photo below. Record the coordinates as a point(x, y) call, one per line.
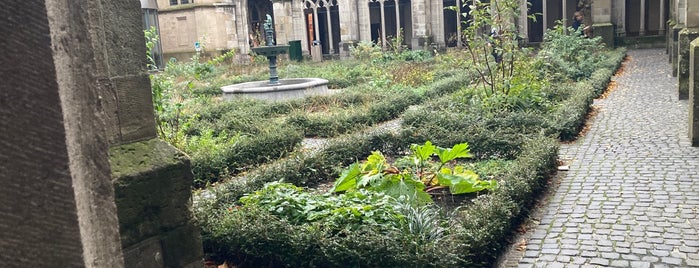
point(490, 219)
point(255, 237)
point(252, 237)
point(246, 151)
point(567, 120)
point(350, 120)
point(304, 168)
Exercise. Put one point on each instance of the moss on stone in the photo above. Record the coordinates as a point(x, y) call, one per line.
point(138, 157)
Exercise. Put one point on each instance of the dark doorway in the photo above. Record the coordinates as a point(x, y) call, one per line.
point(450, 27)
point(322, 34)
point(535, 29)
point(258, 11)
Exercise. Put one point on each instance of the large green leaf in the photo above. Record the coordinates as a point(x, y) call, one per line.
point(460, 150)
point(376, 161)
point(370, 178)
point(466, 182)
point(400, 186)
point(423, 152)
point(348, 179)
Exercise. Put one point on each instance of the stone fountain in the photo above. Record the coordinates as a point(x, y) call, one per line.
point(275, 89)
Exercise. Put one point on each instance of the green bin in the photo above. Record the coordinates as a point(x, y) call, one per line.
point(295, 50)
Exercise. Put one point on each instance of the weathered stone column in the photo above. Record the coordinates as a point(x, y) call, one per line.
point(299, 21)
point(686, 36)
point(152, 180)
point(364, 20)
point(435, 25)
point(283, 22)
point(418, 37)
point(671, 21)
point(694, 92)
point(56, 201)
point(329, 27)
point(349, 28)
point(679, 8)
point(602, 21)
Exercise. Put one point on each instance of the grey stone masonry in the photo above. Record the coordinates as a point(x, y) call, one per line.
point(631, 195)
point(56, 200)
point(694, 92)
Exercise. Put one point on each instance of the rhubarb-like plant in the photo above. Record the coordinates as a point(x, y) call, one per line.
point(413, 177)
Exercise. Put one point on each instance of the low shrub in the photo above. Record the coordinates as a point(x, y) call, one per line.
point(333, 123)
point(276, 225)
point(214, 158)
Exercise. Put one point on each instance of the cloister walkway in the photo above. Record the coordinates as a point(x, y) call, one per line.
point(631, 195)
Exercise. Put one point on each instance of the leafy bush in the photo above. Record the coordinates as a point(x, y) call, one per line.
point(418, 175)
point(569, 55)
point(366, 51)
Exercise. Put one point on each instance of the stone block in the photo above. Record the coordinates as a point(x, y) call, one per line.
point(147, 253)
point(182, 247)
point(675, 47)
point(685, 37)
point(134, 101)
point(124, 40)
point(152, 185)
point(606, 31)
point(694, 92)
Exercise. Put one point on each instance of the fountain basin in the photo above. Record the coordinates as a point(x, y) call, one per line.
point(269, 51)
point(287, 89)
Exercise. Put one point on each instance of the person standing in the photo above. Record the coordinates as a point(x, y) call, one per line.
point(579, 20)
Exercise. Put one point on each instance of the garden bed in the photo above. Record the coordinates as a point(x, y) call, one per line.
point(260, 211)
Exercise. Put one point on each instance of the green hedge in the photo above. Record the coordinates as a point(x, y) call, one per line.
point(252, 237)
point(568, 118)
point(306, 168)
point(209, 164)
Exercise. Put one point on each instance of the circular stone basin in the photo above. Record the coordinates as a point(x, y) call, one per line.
point(294, 88)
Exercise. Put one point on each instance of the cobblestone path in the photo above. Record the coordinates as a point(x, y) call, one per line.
point(631, 196)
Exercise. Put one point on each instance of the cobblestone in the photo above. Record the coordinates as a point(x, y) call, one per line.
point(631, 194)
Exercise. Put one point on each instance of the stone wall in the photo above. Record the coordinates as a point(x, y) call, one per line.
point(56, 202)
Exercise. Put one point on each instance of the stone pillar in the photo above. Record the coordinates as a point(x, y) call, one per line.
point(662, 20)
point(56, 201)
point(694, 93)
point(686, 35)
point(523, 23)
point(299, 21)
point(619, 17)
point(383, 24)
point(602, 21)
point(364, 20)
point(436, 24)
point(283, 22)
point(151, 178)
point(545, 15)
point(668, 33)
point(349, 28)
point(329, 27)
point(418, 37)
point(678, 9)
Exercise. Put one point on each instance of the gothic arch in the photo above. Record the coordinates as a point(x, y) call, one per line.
point(388, 18)
point(322, 24)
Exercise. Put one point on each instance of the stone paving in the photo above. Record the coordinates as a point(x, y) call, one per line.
point(631, 196)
